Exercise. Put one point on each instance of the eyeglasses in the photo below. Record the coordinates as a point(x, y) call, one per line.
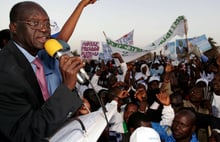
point(36, 25)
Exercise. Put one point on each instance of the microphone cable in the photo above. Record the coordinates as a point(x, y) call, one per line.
point(104, 110)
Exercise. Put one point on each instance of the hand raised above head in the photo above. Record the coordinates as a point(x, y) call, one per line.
point(69, 67)
point(163, 98)
point(87, 2)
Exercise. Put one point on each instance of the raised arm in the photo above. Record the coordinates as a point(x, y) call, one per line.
point(69, 26)
point(167, 112)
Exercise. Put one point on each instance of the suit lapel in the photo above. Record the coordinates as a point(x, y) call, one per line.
point(27, 69)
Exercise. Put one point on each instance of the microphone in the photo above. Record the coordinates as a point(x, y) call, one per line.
point(57, 48)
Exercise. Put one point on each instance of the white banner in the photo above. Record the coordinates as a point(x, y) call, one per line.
point(179, 27)
point(128, 52)
point(126, 39)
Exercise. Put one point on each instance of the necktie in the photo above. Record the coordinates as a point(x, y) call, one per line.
point(41, 78)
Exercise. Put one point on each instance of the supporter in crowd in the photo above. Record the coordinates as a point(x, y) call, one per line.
point(116, 129)
point(130, 108)
point(142, 80)
point(200, 105)
point(4, 37)
point(205, 124)
point(138, 119)
point(184, 126)
point(143, 134)
point(142, 76)
point(91, 96)
point(216, 95)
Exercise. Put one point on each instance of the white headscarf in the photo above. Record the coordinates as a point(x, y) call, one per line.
point(147, 72)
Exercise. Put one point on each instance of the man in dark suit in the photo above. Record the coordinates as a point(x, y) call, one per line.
point(181, 51)
point(24, 115)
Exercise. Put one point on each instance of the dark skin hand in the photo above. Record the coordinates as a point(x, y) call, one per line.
point(163, 98)
point(123, 94)
point(69, 67)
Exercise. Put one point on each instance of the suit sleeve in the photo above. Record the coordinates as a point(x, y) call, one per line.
point(24, 119)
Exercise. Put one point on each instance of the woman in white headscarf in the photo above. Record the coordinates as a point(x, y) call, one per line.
point(143, 75)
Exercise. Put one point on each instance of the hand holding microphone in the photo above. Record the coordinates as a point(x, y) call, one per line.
point(70, 66)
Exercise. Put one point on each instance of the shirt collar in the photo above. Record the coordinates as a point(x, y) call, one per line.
point(29, 57)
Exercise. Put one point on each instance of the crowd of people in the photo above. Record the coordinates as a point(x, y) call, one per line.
point(156, 99)
point(192, 87)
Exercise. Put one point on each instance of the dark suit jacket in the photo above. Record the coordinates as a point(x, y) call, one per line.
point(24, 116)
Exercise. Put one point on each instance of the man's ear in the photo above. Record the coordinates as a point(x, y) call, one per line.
point(12, 27)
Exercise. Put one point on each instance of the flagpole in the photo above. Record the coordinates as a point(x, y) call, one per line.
point(104, 34)
point(185, 30)
point(186, 37)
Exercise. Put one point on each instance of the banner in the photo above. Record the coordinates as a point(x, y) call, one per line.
point(128, 52)
point(201, 42)
point(119, 46)
point(106, 53)
point(90, 50)
point(179, 27)
point(169, 50)
point(127, 38)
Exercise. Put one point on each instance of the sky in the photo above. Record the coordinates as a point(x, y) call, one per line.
point(150, 19)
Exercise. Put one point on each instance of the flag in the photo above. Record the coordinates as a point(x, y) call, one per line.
point(179, 27)
point(127, 38)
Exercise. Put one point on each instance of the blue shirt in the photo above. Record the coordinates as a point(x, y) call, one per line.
point(166, 134)
point(51, 71)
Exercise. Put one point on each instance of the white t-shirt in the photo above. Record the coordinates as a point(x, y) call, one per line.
point(216, 105)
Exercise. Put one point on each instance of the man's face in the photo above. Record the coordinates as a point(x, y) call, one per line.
point(196, 94)
point(182, 127)
point(130, 110)
point(85, 108)
point(32, 29)
point(176, 103)
point(216, 84)
point(154, 85)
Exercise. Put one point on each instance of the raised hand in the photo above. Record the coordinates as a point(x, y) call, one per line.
point(87, 2)
point(163, 98)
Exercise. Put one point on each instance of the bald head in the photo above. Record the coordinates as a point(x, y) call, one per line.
point(22, 10)
point(184, 124)
point(189, 113)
